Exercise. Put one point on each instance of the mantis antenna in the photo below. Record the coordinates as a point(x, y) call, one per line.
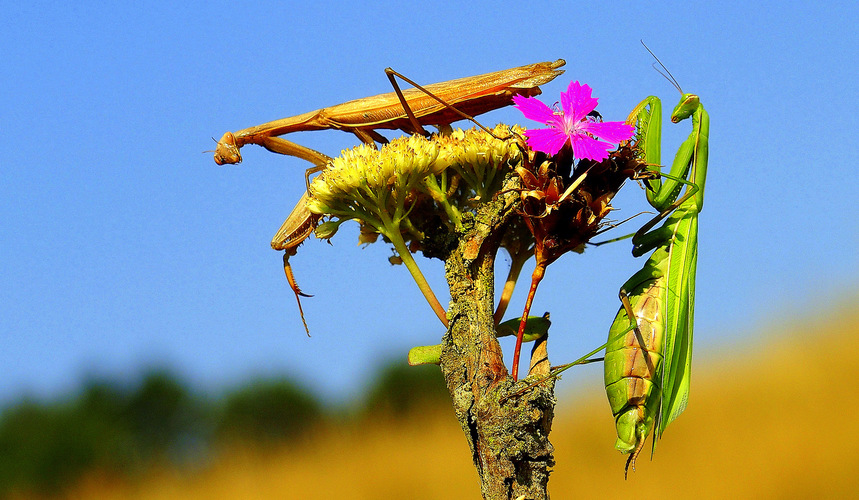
point(669, 76)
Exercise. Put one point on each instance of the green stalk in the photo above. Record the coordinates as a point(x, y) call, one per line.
point(437, 193)
point(516, 262)
point(393, 233)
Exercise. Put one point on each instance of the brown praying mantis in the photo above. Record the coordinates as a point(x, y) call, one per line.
point(410, 110)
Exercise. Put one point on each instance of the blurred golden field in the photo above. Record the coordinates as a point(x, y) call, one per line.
point(772, 418)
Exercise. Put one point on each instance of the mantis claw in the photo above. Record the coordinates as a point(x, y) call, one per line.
point(290, 277)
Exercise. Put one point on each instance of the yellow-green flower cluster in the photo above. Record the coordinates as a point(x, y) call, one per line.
point(412, 190)
point(481, 158)
point(397, 189)
point(366, 178)
point(477, 149)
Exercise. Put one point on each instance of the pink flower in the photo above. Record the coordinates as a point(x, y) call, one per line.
point(573, 124)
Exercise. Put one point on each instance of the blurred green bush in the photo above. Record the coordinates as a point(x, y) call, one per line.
point(267, 412)
point(398, 390)
point(125, 428)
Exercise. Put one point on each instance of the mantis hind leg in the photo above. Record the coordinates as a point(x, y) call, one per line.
point(418, 128)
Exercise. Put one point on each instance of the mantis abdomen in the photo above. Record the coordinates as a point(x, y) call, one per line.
point(632, 364)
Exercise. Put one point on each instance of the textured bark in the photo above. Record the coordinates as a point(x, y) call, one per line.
point(507, 433)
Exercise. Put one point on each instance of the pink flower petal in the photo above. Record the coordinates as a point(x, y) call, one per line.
point(547, 140)
point(572, 124)
point(577, 101)
point(586, 147)
point(533, 109)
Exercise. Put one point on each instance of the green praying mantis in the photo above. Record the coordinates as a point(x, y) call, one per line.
point(649, 352)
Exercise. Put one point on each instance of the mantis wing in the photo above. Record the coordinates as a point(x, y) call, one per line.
point(679, 307)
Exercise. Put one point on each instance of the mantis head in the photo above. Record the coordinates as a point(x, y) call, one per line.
point(688, 104)
point(226, 151)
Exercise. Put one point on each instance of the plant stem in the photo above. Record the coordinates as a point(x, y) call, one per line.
point(516, 262)
point(397, 240)
point(536, 277)
point(508, 439)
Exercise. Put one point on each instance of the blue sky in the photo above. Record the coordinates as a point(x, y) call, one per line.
point(124, 246)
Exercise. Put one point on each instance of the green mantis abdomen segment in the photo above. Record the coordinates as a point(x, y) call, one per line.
point(633, 363)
